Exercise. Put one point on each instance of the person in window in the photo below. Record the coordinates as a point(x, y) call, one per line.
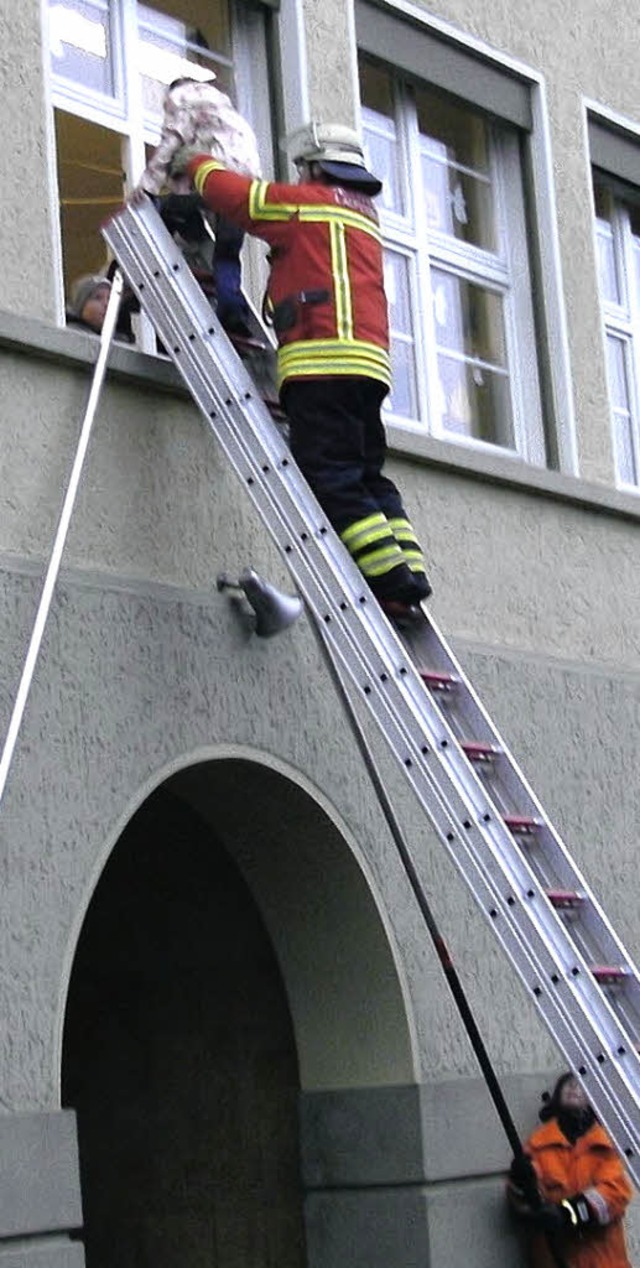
point(88, 305)
point(329, 309)
point(88, 302)
point(570, 1188)
point(197, 114)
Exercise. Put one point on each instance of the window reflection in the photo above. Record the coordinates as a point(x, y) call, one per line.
point(80, 43)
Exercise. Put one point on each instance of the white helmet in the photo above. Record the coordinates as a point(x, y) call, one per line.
point(338, 152)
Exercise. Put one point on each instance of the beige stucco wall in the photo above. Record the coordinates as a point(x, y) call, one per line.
point(29, 214)
point(540, 595)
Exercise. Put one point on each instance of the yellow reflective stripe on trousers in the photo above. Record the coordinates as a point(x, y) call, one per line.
point(372, 528)
point(372, 545)
point(341, 283)
point(378, 562)
point(402, 529)
point(411, 548)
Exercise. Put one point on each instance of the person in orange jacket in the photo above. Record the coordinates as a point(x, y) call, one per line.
point(570, 1188)
point(329, 310)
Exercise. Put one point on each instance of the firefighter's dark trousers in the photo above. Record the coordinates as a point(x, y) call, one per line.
point(338, 441)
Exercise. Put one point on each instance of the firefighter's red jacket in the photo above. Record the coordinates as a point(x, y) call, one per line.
point(593, 1167)
point(326, 286)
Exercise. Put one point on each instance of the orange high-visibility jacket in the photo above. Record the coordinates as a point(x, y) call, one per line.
point(326, 286)
point(593, 1167)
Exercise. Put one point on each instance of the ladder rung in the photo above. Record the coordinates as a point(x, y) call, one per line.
point(478, 752)
point(437, 681)
point(609, 974)
point(564, 899)
point(522, 825)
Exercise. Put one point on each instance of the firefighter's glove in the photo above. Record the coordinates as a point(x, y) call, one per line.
point(573, 1215)
point(522, 1174)
point(181, 157)
point(523, 1185)
point(551, 1218)
point(578, 1213)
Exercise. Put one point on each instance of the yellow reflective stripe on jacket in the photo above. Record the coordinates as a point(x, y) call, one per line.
point(326, 213)
point(261, 209)
point(333, 356)
point(323, 213)
point(341, 282)
point(204, 170)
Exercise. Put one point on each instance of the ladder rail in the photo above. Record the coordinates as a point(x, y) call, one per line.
point(566, 870)
point(371, 655)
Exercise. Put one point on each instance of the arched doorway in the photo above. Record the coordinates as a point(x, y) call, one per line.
point(180, 1060)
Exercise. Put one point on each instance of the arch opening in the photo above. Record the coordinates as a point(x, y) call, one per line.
point(231, 954)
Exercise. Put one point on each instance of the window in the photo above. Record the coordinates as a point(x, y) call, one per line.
point(457, 269)
point(618, 243)
point(110, 61)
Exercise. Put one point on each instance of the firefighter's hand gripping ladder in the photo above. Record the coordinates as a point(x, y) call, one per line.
point(467, 783)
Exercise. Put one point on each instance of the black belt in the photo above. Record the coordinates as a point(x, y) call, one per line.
point(285, 314)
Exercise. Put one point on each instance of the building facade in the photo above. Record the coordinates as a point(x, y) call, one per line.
point(226, 1038)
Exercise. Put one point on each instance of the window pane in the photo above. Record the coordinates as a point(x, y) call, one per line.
point(618, 385)
point(468, 318)
point(80, 44)
point(635, 281)
point(207, 20)
point(402, 397)
point(90, 180)
point(177, 43)
point(607, 270)
point(475, 401)
point(379, 134)
point(455, 171)
point(472, 363)
point(617, 365)
point(623, 444)
point(397, 286)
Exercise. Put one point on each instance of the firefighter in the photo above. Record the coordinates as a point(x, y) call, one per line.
point(329, 311)
point(570, 1187)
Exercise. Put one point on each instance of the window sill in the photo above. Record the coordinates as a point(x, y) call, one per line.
point(67, 346)
point(36, 338)
point(513, 472)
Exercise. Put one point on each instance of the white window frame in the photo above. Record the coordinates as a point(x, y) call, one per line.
point(621, 321)
point(124, 113)
point(559, 404)
point(506, 272)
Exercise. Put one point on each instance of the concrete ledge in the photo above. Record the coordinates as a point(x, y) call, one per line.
point(470, 1225)
point(39, 1174)
point(449, 1226)
point(495, 468)
point(412, 1135)
point(32, 337)
point(74, 348)
point(382, 1229)
point(43, 1254)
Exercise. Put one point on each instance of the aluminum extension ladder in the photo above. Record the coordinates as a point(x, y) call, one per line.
point(520, 873)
